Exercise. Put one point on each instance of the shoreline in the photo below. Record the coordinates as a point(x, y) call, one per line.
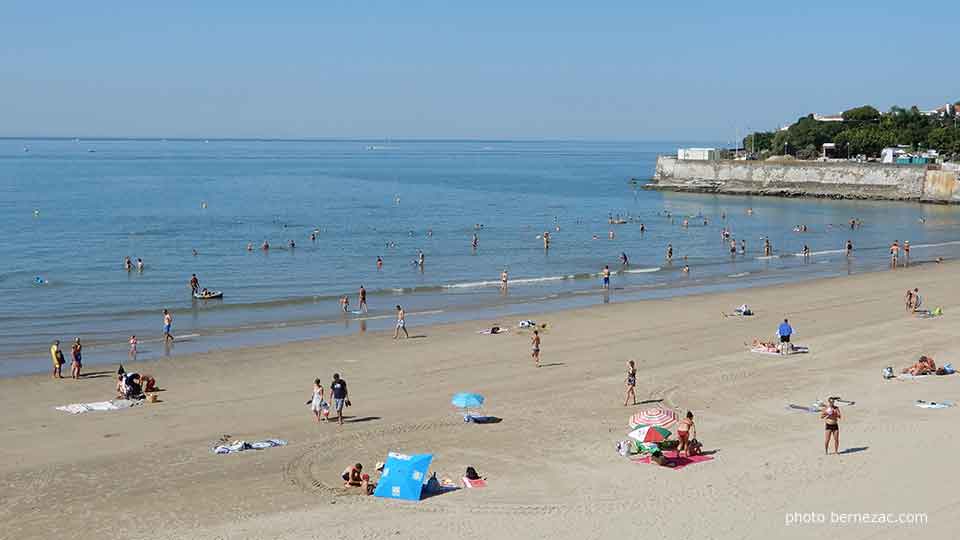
point(551, 464)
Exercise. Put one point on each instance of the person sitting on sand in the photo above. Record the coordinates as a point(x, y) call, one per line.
point(924, 366)
point(917, 300)
point(132, 388)
point(353, 476)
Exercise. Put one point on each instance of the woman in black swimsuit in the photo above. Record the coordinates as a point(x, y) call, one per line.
point(831, 417)
point(631, 384)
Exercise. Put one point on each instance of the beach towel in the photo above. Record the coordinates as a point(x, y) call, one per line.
point(933, 404)
point(113, 405)
point(907, 376)
point(801, 408)
point(677, 462)
point(240, 446)
point(490, 332)
point(797, 349)
point(478, 483)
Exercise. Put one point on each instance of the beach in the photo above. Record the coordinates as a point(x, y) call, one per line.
point(551, 465)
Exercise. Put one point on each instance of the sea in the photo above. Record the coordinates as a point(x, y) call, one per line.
point(71, 210)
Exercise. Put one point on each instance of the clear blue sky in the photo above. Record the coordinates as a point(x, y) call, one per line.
point(633, 69)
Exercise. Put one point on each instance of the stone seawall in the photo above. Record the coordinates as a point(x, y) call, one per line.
point(840, 180)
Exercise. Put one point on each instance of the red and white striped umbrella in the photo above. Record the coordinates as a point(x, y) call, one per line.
point(654, 416)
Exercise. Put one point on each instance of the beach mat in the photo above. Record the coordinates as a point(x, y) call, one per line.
point(677, 462)
point(909, 377)
point(112, 405)
point(933, 404)
point(764, 350)
point(241, 446)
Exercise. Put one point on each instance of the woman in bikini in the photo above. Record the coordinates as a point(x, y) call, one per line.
point(831, 417)
point(683, 433)
point(631, 384)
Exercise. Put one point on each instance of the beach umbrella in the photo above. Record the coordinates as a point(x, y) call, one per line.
point(466, 400)
point(649, 434)
point(654, 416)
point(403, 476)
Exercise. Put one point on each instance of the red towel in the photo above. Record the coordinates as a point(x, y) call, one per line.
point(678, 462)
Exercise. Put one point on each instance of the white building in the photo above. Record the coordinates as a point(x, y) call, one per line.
point(698, 154)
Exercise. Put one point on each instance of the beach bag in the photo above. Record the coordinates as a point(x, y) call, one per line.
point(888, 373)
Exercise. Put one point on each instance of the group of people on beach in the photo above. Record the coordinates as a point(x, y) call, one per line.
point(76, 353)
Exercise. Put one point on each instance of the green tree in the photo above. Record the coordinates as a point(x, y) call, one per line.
point(865, 113)
point(760, 141)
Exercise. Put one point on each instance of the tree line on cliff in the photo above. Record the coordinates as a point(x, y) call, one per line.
point(863, 131)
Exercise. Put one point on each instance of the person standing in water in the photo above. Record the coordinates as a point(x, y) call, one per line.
point(767, 248)
point(894, 253)
point(743, 247)
point(503, 280)
point(127, 264)
point(623, 259)
point(906, 253)
point(631, 383)
point(401, 324)
point(849, 248)
point(379, 263)
point(606, 276)
point(669, 253)
point(475, 242)
point(363, 300)
point(133, 349)
point(194, 284)
point(167, 325)
point(535, 344)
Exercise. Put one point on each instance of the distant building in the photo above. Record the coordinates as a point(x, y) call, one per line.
point(828, 117)
point(698, 154)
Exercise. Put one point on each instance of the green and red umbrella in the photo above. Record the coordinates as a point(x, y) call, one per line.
point(650, 434)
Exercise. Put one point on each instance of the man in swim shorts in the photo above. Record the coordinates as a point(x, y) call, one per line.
point(167, 325)
point(401, 323)
point(606, 276)
point(363, 299)
point(784, 331)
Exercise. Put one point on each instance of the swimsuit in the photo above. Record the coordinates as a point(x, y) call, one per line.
point(632, 378)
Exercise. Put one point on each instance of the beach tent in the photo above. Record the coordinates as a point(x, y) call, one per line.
point(403, 476)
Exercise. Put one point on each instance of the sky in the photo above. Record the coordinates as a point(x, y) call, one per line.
point(615, 70)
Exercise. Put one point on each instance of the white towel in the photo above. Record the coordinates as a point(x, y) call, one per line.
point(933, 404)
point(116, 404)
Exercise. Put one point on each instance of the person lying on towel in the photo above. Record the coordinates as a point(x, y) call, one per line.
point(769, 346)
point(924, 366)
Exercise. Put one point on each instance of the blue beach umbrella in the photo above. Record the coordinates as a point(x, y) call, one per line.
point(403, 476)
point(466, 400)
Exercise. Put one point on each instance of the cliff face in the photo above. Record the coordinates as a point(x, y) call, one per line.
point(841, 180)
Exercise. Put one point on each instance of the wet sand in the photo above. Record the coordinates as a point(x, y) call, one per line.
point(552, 469)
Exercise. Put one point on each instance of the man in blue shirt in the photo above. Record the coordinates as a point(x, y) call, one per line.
point(784, 331)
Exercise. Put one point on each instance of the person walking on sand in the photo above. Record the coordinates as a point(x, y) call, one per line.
point(401, 324)
point(167, 325)
point(606, 276)
point(631, 383)
point(338, 391)
point(317, 404)
point(535, 343)
point(57, 356)
point(363, 300)
point(77, 351)
point(831, 417)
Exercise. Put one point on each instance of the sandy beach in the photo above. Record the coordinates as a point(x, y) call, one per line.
point(148, 472)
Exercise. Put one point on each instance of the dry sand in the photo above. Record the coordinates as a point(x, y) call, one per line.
point(148, 472)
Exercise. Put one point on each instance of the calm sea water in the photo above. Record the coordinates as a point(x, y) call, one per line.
point(70, 211)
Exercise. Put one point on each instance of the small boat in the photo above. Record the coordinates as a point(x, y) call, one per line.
point(209, 296)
